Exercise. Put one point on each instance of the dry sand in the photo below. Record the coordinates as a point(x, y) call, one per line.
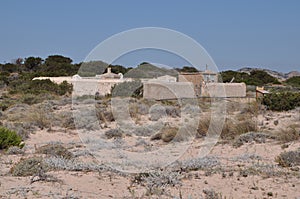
point(249, 171)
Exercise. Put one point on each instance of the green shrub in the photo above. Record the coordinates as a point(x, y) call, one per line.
point(282, 101)
point(293, 81)
point(9, 138)
point(37, 87)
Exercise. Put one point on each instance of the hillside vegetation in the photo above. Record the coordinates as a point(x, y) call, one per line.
point(256, 77)
point(293, 81)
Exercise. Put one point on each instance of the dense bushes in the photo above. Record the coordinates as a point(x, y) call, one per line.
point(42, 86)
point(8, 138)
point(293, 81)
point(256, 77)
point(282, 101)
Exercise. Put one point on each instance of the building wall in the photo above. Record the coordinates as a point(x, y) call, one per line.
point(168, 90)
point(57, 80)
point(195, 78)
point(87, 86)
point(92, 86)
point(223, 90)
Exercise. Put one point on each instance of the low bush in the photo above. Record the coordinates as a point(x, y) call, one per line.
point(29, 167)
point(8, 138)
point(252, 137)
point(195, 164)
point(282, 101)
point(55, 150)
point(36, 87)
point(289, 159)
point(212, 194)
point(14, 150)
point(59, 163)
point(114, 133)
point(156, 182)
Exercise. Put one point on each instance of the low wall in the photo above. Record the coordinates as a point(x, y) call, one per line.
point(57, 80)
point(86, 86)
point(91, 87)
point(168, 90)
point(223, 90)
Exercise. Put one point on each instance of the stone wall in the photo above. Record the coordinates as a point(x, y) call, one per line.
point(168, 90)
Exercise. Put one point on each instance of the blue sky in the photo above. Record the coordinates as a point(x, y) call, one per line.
point(235, 33)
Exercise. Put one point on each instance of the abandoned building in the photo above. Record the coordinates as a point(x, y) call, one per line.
point(191, 85)
point(186, 85)
point(100, 84)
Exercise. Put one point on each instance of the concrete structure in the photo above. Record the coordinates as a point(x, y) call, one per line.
point(100, 84)
point(195, 78)
point(199, 79)
point(168, 90)
point(209, 76)
point(100, 87)
point(223, 90)
point(167, 78)
point(57, 80)
point(191, 85)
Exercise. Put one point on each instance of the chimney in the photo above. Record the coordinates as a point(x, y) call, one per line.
point(108, 70)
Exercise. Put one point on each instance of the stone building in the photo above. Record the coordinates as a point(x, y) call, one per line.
point(199, 79)
point(192, 85)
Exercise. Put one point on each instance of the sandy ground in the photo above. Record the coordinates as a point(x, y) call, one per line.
point(249, 171)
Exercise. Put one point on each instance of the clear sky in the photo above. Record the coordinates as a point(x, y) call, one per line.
point(235, 33)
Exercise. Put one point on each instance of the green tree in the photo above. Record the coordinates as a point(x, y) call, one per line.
point(57, 65)
point(227, 76)
point(32, 63)
point(57, 59)
point(189, 69)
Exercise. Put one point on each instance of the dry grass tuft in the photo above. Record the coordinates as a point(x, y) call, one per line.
point(55, 150)
point(231, 128)
point(168, 133)
point(292, 133)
